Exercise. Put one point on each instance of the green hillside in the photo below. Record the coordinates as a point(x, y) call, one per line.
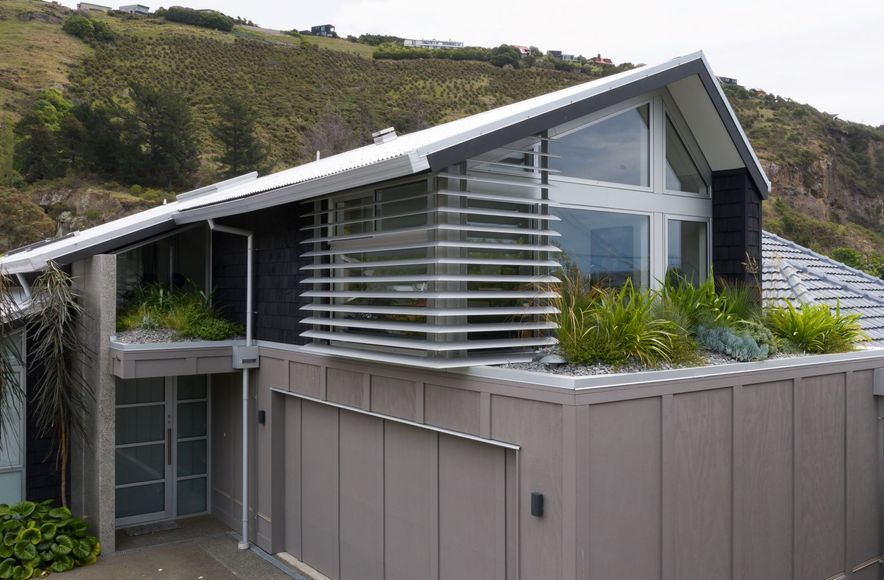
point(329, 94)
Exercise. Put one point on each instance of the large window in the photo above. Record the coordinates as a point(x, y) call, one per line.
point(687, 249)
point(615, 149)
point(607, 247)
point(681, 171)
point(12, 436)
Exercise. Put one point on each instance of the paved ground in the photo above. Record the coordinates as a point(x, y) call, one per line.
point(201, 549)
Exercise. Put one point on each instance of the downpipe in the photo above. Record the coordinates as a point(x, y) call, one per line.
point(249, 235)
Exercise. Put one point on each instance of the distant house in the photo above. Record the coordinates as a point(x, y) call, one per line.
point(602, 61)
point(323, 30)
point(568, 57)
point(727, 81)
point(88, 7)
point(523, 50)
point(424, 43)
point(556, 54)
point(136, 9)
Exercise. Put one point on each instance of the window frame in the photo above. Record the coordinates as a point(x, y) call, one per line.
point(22, 466)
point(687, 218)
point(670, 111)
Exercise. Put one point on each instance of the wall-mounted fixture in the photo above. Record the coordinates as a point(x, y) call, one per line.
point(536, 504)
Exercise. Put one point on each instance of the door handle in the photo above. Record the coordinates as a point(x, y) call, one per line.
point(169, 446)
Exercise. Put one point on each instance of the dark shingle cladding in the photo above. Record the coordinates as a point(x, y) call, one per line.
point(798, 274)
point(736, 224)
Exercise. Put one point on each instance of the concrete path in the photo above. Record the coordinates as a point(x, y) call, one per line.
point(178, 555)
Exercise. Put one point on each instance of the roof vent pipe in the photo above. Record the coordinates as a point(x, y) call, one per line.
point(384, 135)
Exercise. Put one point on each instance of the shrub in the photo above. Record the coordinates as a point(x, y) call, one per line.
point(205, 19)
point(738, 345)
point(39, 538)
point(187, 311)
point(87, 29)
point(612, 326)
point(814, 328)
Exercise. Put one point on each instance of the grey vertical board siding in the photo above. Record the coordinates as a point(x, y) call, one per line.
point(410, 503)
point(292, 505)
point(538, 428)
point(472, 510)
point(819, 476)
point(701, 453)
point(305, 379)
point(862, 463)
point(227, 449)
point(391, 396)
point(362, 497)
point(624, 489)
point(319, 487)
point(454, 409)
point(263, 482)
point(766, 477)
point(345, 387)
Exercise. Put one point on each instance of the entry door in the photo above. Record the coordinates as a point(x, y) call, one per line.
point(162, 448)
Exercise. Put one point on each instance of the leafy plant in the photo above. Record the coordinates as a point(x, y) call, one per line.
point(187, 311)
point(38, 538)
point(815, 328)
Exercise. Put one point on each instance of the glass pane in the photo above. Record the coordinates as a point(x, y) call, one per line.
point(687, 250)
point(192, 387)
point(142, 463)
point(605, 246)
point(141, 499)
point(140, 424)
point(132, 391)
point(616, 149)
point(191, 419)
point(192, 458)
point(12, 435)
point(681, 172)
point(10, 487)
point(191, 496)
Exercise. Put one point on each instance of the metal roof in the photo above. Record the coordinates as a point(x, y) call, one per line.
point(795, 273)
point(429, 149)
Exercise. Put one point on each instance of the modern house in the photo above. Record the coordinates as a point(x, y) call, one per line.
point(89, 7)
point(139, 9)
point(369, 425)
point(424, 43)
point(323, 30)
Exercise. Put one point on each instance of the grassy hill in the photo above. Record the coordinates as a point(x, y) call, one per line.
point(828, 174)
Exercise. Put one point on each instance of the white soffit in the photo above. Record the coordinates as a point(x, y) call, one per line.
point(705, 123)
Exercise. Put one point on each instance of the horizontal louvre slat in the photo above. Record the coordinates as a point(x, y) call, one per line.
point(445, 227)
point(443, 244)
point(420, 262)
point(428, 328)
point(440, 278)
point(438, 312)
point(529, 152)
point(427, 345)
point(477, 295)
point(533, 184)
point(524, 168)
point(373, 204)
point(500, 198)
point(443, 209)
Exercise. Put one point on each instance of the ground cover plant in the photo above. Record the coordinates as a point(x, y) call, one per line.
point(186, 311)
point(39, 538)
point(815, 328)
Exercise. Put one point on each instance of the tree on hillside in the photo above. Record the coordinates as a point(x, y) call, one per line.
point(161, 147)
point(38, 147)
point(242, 149)
point(21, 220)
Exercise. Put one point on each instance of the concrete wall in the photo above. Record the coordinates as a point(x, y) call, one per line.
point(93, 461)
point(764, 473)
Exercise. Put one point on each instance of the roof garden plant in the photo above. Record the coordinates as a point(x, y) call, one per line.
point(186, 311)
point(815, 328)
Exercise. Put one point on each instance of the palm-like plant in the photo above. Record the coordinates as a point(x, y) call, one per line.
point(61, 395)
